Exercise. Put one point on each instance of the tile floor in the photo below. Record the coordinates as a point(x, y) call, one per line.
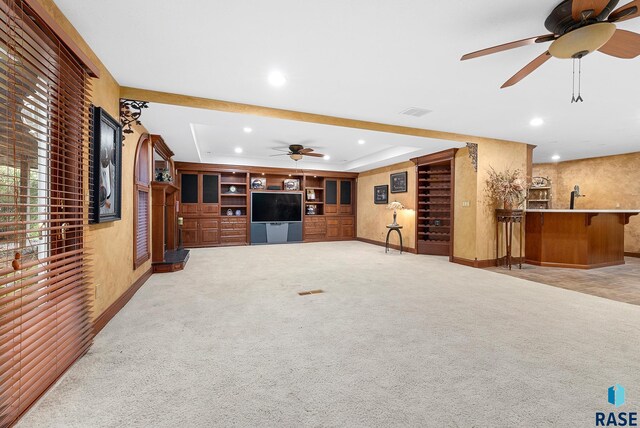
point(620, 283)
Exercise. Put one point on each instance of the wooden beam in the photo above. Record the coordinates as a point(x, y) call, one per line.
point(233, 107)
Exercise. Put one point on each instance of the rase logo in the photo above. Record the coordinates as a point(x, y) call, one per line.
point(615, 396)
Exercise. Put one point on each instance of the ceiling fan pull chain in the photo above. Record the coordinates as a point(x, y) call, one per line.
point(573, 82)
point(579, 80)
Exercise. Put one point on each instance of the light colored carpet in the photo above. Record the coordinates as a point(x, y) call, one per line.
point(396, 340)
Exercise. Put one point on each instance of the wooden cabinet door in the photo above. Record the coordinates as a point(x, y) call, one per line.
point(190, 233)
point(333, 228)
point(346, 205)
point(347, 228)
point(210, 195)
point(189, 194)
point(209, 231)
point(331, 196)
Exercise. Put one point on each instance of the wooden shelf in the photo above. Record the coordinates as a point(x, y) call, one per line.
point(233, 194)
point(230, 183)
point(314, 188)
point(313, 203)
point(233, 206)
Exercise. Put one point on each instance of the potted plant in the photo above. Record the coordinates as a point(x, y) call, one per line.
point(507, 188)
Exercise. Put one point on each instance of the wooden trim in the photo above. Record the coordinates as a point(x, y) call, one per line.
point(233, 107)
point(574, 266)
point(442, 156)
point(481, 264)
point(628, 254)
point(158, 144)
point(243, 169)
point(64, 37)
point(143, 141)
point(120, 303)
point(140, 261)
point(382, 244)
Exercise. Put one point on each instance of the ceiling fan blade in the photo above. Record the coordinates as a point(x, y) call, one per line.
point(628, 11)
point(507, 46)
point(306, 150)
point(316, 155)
point(280, 154)
point(583, 9)
point(624, 44)
point(527, 69)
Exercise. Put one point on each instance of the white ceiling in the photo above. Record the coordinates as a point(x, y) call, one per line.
point(364, 59)
point(212, 137)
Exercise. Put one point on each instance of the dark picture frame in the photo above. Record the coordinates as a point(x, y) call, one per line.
point(398, 182)
point(106, 149)
point(381, 194)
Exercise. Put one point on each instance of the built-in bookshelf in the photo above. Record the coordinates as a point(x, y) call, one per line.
point(314, 195)
point(539, 196)
point(233, 194)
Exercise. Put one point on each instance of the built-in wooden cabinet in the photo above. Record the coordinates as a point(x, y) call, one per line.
point(435, 185)
point(339, 196)
point(215, 203)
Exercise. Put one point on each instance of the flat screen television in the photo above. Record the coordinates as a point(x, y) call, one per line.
point(276, 207)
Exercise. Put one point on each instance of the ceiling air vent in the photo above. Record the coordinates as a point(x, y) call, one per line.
point(415, 111)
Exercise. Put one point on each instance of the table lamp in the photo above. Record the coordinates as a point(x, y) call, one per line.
point(395, 206)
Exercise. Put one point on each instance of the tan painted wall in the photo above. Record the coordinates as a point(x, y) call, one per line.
point(499, 155)
point(373, 219)
point(464, 222)
point(111, 243)
point(609, 182)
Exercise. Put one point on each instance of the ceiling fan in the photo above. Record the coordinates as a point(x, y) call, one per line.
point(297, 151)
point(578, 27)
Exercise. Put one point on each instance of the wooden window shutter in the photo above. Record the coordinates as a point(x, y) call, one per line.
point(142, 202)
point(45, 296)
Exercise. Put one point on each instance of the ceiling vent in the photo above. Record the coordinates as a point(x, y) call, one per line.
point(415, 111)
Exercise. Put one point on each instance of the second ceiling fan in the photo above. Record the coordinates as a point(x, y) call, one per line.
point(297, 151)
point(578, 27)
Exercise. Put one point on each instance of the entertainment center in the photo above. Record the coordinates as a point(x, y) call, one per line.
point(238, 205)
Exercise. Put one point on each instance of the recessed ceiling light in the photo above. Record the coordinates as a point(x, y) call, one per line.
point(536, 121)
point(247, 130)
point(238, 150)
point(555, 157)
point(326, 157)
point(276, 78)
point(361, 141)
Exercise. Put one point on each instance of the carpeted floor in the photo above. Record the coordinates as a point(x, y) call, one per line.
point(395, 340)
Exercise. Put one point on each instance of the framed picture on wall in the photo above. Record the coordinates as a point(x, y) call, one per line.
point(381, 194)
point(398, 182)
point(106, 146)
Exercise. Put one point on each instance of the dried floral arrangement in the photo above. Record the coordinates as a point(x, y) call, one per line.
point(508, 187)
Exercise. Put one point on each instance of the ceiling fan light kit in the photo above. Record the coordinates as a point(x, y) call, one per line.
point(582, 41)
point(297, 151)
point(579, 27)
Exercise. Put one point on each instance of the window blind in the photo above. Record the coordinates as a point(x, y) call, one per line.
point(141, 250)
point(45, 300)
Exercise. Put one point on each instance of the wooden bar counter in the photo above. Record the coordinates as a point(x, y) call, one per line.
point(580, 239)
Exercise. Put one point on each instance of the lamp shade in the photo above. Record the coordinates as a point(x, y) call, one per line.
point(395, 205)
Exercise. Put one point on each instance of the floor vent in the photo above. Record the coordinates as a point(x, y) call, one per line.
point(306, 293)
